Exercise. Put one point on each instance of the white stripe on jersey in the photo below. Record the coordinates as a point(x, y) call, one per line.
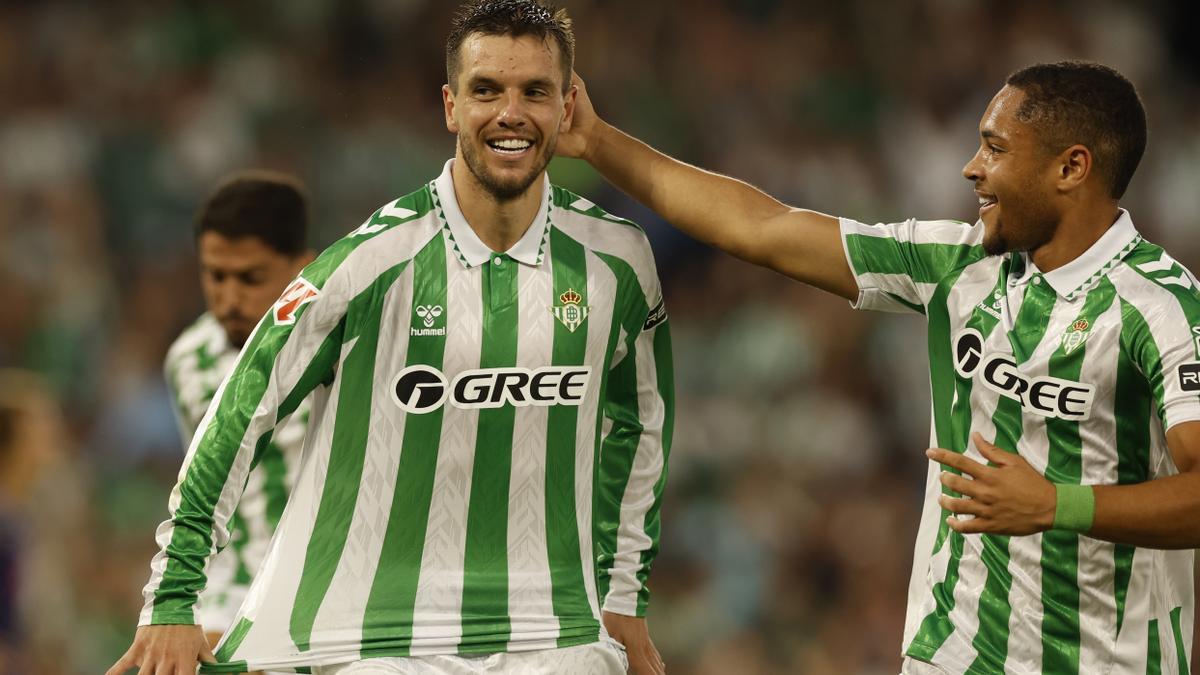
point(440, 586)
point(528, 561)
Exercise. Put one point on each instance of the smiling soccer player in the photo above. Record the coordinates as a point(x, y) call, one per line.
point(493, 403)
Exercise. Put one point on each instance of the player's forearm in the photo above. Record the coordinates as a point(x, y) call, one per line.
point(1161, 513)
point(715, 209)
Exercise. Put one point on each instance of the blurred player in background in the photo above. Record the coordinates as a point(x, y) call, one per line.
point(251, 237)
point(1063, 344)
point(490, 363)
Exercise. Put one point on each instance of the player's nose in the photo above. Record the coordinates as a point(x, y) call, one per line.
point(973, 169)
point(512, 112)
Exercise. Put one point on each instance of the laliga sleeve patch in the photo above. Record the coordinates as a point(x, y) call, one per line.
point(1189, 377)
point(300, 293)
point(656, 316)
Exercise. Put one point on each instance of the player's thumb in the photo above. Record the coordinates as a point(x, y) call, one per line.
point(206, 654)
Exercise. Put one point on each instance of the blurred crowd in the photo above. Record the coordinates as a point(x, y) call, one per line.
point(797, 473)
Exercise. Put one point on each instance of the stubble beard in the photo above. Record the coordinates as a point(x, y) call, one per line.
point(503, 191)
point(1038, 230)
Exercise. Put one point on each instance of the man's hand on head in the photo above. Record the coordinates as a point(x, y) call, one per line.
point(580, 140)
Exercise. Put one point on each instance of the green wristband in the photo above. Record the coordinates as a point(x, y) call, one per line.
point(1075, 509)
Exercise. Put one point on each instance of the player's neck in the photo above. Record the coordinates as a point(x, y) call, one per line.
point(1077, 231)
point(498, 224)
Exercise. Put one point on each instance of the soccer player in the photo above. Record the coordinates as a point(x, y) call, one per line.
point(1065, 370)
point(491, 370)
point(250, 235)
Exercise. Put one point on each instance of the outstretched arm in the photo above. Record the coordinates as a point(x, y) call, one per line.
point(727, 213)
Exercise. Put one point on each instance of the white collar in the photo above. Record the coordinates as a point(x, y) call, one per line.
point(1086, 270)
point(471, 250)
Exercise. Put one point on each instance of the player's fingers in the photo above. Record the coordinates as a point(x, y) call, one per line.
point(969, 526)
point(955, 460)
point(123, 664)
point(969, 507)
point(206, 655)
point(991, 452)
point(959, 484)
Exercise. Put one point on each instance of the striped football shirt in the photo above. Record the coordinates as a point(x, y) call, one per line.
point(487, 447)
point(1080, 370)
point(196, 363)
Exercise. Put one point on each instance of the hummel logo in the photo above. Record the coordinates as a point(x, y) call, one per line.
point(428, 314)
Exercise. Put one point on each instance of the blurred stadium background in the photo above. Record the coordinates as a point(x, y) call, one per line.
point(797, 471)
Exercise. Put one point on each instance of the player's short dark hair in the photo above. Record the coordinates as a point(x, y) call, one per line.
point(1087, 103)
point(514, 18)
point(267, 205)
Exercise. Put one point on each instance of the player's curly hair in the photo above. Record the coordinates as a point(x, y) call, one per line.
point(1087, 103)
point(515, 18)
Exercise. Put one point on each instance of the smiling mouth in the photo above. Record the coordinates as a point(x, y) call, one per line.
point(510, 147)
point(985, 202)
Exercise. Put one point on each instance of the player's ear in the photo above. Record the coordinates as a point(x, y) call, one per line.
point(1074, 166)
point(448, 104)
point(568, 109)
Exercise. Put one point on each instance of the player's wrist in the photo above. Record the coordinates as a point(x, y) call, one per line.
point(1075, 507)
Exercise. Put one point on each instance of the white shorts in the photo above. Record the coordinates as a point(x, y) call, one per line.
point(605, 657)
point(914, 667)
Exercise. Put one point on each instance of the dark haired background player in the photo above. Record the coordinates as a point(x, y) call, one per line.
point(490, 366)
point(251, 237)
point(1065, 371)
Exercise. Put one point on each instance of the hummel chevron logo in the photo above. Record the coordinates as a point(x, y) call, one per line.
point(393, 210)
point(1166, 264)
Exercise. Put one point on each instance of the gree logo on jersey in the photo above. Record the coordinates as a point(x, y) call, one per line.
point(1046, 396)
point(421, 389)
point(1189, 377)
point(300, 293)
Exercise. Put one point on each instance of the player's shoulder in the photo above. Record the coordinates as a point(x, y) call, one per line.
point(391, 234)
point(597, 229)
point(1164, 293)
point(205, 331)
point(1156, 275)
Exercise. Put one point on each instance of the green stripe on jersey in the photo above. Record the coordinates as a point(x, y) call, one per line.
point(388, 618)
point(952, 420)
point(568, 592)
point(615, 460)
point(346, 455)
point(485, 570)
point(1060, 548)
point(991, 640)
point(1133, 435)
point(1153, 650)
point(191, 539)
point(924, 263)
point(666, 389)
point(1180, 648)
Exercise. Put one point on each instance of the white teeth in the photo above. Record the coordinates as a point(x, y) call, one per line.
point(511, 144)
point(984, 201)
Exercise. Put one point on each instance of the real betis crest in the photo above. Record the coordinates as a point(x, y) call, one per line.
point(1075, 337)
point(572, 311)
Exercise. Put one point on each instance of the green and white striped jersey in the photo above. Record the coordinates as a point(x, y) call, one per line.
point(200, 358)
point(1080, 370)
point(487, 449)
